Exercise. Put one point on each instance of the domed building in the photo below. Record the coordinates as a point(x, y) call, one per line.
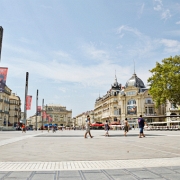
point(135, 81)
point(129, 102)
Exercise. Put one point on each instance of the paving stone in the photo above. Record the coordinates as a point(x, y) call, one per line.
point(20, 174)
point(2, 174)
point(115, 171)
point(45, 172)
point(93, 176)
point(14, 178)
point(171, 176)
point(123, 177)
point(174, 167)
point(177, 170)
point(70, 178)
point(161, 170)
point(156, 179)
point(91, 171)
point(43, 177)
point(68, 173)
point(145, 174)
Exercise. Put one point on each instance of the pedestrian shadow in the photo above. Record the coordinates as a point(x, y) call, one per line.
point(133, 135)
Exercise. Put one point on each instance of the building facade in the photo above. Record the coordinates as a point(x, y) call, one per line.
point(129, 102)
point(14, 109)
point(80, 119)
point(4, 106)
point(59, 114)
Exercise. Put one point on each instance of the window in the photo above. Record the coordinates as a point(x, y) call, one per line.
point(131, 102)
point(131, 93)
point(151, 110)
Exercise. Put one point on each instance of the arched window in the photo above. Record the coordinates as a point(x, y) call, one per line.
point(131, 102)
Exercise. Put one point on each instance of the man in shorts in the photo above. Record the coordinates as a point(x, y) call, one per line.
point(88, 123)
point(141, 126)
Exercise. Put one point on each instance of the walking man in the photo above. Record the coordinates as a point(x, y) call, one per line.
point(126, 127)
point(141, 126)
point(88, 123)
point(106, 127)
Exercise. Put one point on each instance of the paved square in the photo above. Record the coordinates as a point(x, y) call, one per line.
point(67, 155)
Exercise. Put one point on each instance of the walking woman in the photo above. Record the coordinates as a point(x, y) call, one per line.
point(126, 127)
point(106, 127)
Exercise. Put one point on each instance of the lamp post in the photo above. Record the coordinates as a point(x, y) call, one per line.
point(36, 108)
point(26, 91)
point(42, 113)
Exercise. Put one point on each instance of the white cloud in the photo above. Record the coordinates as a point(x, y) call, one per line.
point(62, 89)
point(165, 13)
point(141, 10)
point(159, 5)
point(130, 29)
point(170, 45)
point(178, 22)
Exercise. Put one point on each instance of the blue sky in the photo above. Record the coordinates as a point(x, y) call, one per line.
point(72, 48)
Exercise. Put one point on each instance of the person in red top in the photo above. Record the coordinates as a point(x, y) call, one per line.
point(23, 128)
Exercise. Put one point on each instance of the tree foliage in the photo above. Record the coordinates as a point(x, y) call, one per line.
point(165, 81)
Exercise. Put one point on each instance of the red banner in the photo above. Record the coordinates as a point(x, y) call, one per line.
point(39, 111)
point(44, 114)
point(28, 102)
point(3, 74)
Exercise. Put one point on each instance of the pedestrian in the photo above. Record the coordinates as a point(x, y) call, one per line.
point(88, 123)
point(141, 126)
point(23, 128)
point(48, 128)
point(126, 127)
point(106, 127)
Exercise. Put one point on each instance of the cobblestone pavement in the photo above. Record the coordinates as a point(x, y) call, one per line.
point(166, 173)
point(67, 155)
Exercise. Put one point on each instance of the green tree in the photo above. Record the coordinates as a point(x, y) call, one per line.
point(165, 81)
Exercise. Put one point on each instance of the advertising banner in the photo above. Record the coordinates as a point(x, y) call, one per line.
point(44, 114)
point(131, 110)
point(39, 110)
point(28, 102)
point(3, 74)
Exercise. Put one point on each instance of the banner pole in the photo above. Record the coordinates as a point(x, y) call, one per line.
point(42, 113)
point(26, 91)
point(1, 38)
point(36, 108)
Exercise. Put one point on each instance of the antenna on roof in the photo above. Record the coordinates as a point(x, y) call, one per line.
point(134, 66)
point(115, 77)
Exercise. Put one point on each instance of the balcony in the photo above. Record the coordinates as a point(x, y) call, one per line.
point(150, 114)
point(16, 109)
point(174, 109)
point(5, 101)
point(6, 112)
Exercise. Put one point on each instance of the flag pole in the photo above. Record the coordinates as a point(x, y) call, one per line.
point(42, 113)
point(26, 91)
point(36, 108)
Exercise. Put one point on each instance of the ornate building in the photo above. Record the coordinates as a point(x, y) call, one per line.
point(14, 109)
point(107, 107)
point(4, 106)
point(126, 102)
point(80, 119)
point(59, 114)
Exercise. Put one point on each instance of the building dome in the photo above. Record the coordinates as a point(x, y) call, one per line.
point(135, 81)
